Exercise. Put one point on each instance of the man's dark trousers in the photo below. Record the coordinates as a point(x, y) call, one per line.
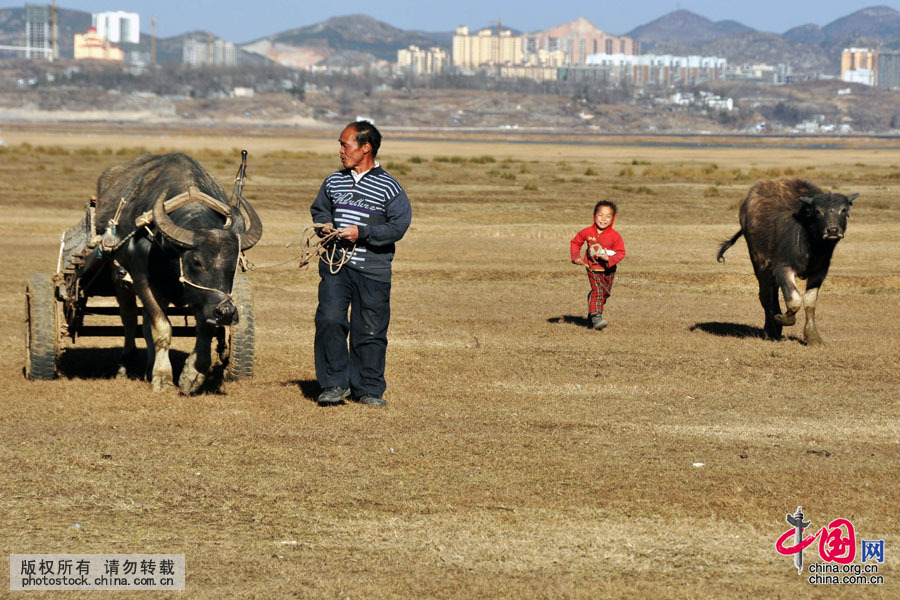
point(369, 301)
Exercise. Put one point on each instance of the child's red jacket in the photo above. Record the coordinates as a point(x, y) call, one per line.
point(609, 238)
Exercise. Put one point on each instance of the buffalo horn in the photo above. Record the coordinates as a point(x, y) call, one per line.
point(175, 233)
point(806, 200)
point(251, 235)
point(851, 198)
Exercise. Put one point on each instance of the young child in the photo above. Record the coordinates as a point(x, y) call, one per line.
point(605, 249)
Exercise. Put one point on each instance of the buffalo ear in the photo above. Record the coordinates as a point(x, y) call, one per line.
point(806, 206)
point(851, 198)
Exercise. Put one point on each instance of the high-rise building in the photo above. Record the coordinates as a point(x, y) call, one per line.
point(576, 41)
point(487, 48)
point(200, 52)
point(888, 69)
point(422, 62)
point(648, 69)
point(118, 27)
point(859, 65)
point(38, 34)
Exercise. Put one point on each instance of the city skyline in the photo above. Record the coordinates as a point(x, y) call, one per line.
point(234, 21)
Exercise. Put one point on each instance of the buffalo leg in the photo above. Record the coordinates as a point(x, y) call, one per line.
point(197, 364)
point(768, 297)
point(809, 302)
point(158, 333)
point(792, 299)
point(128, 312)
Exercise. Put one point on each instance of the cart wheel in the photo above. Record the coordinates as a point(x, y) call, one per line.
point(241, 351)
point(40, 328)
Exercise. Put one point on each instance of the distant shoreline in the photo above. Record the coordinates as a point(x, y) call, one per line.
point(57, 133)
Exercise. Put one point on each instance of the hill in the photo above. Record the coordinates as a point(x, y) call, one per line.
point(684, 26)
point(880, 22)
point(805, 34)
point(806, 48)
point(353, 39)
point(875, 24)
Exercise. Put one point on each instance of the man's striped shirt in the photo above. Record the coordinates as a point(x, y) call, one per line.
point(377, 205)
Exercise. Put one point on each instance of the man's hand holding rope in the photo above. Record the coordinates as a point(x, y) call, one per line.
point(349, 233)
point(326, 248)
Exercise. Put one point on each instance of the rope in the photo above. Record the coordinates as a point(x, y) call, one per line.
point(326, 247)
point(185, 280)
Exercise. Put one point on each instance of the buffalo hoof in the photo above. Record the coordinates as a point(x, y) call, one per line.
point(190, 381)
point(127, 365)
point(785, 319)
point(160, 385)
point(814, 340)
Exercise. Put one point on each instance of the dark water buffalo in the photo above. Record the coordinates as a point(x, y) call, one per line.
point(186, 258)
point(791, 228)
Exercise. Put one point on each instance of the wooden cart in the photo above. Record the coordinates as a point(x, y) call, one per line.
point(75, 302)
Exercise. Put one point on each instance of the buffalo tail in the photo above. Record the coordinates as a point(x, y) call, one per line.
point(728, 244)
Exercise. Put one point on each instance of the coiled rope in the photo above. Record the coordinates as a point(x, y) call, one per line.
point(313, 243)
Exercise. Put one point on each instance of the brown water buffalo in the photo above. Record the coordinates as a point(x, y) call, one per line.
point(791, 228)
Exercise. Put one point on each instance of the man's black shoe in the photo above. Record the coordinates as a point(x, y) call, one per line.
point(372, 400)
point(333, 395)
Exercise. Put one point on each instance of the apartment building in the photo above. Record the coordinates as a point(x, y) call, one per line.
point(209, 51)
point(888, 69)
point(575, 41)
point(648, 69)
point(118, 27)
point(859, 65)
point(871, 67)
point(487, 47)
point(422, 62)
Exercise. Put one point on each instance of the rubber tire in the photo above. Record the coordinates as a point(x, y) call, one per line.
point(240, 336)
point(40, 328)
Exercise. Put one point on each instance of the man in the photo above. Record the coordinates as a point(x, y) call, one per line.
point(369, 208)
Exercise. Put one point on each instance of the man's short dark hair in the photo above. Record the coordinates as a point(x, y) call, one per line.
point(603, 203)
point(367, 133)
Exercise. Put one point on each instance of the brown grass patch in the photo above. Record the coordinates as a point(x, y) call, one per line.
point(521, 453)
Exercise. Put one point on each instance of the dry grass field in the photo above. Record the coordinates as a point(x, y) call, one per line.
point(521, 454)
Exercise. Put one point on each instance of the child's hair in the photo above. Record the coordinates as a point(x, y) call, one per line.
point(603, 203)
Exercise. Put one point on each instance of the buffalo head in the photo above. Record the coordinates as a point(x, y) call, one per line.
point(826, 214)
point(208, 259)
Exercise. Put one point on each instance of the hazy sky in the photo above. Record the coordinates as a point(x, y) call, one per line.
point(246, 20)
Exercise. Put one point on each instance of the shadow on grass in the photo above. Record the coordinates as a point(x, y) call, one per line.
point(739, 331)
point(571, 319)
point(103, 363)
point(730, 330)
point(308, 387)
